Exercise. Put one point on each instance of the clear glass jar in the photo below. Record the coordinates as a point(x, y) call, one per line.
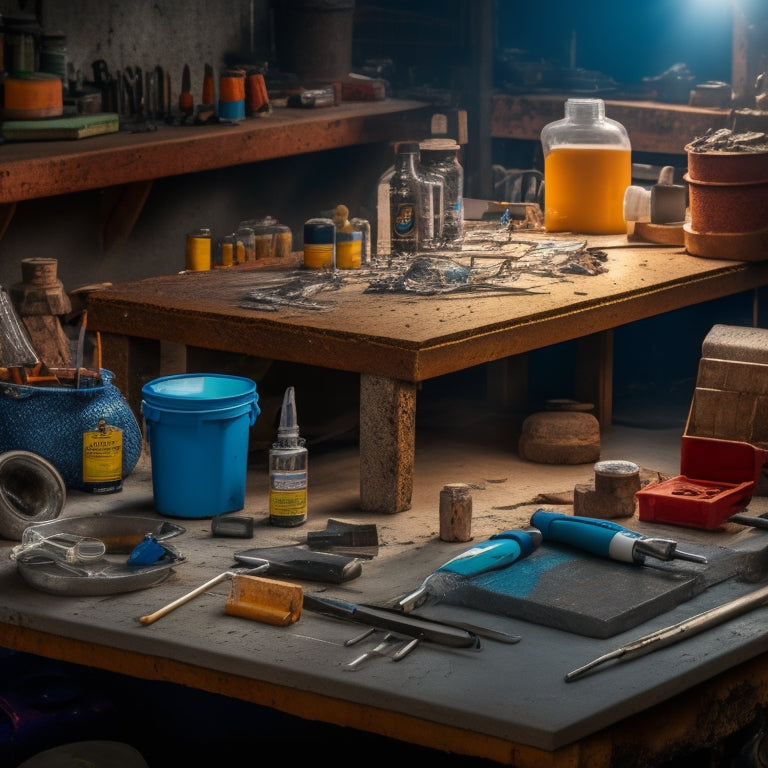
point(587, 169)
point(440, 156)
point(383, 235)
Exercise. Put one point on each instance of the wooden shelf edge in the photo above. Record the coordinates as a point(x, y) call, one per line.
point(45, 169)
point(652, 126)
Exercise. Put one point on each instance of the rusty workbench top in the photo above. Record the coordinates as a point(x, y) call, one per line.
point(414, 337)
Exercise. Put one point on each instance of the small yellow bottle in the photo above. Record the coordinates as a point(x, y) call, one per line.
point(288, 469)
point(103, 459)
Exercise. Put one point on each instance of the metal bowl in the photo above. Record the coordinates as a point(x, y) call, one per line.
point(110, 574)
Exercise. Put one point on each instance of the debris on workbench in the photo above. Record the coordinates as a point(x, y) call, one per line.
point(490, 262)
point(296, 290)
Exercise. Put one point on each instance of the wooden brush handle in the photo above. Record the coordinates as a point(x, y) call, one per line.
point(152, 617)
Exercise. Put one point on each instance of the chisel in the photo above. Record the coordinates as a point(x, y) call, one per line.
point(393, 621)
point(500, 551)
point(607, 539)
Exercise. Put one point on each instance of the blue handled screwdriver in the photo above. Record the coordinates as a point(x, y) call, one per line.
point(607, 539)
point(501, 550)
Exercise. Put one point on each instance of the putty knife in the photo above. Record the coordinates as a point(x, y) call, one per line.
point(294, 562)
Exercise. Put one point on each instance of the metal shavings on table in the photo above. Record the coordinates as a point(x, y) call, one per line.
point(296, 290)
point(491, 261)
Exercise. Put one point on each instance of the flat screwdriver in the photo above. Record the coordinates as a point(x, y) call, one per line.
point(499, 551)
point(607, 539)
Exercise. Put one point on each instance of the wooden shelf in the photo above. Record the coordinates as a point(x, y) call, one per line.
point(652, 126)
point(127, 163)
point(42, 169)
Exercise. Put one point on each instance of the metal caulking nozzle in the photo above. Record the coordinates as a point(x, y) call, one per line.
point(288, 430)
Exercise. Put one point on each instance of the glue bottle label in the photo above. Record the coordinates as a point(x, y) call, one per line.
point(103, 458)
point(288, 498)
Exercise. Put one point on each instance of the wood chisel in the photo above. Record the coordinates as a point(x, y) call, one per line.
point(186, 100)
point(607, 539)
point(499, 551)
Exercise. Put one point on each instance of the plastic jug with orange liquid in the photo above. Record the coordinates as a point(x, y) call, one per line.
point(587, 168)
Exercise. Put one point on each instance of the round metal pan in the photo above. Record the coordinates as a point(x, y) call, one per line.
point(111, 573)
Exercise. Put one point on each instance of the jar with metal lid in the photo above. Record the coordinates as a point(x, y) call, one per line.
point(441, 157)
point(319, 243)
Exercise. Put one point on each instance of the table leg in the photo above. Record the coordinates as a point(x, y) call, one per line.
point(387, 443)
point(134, 361)
point(594, 375)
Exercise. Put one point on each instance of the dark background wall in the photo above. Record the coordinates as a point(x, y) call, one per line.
point(425, 50)
point(627, 41)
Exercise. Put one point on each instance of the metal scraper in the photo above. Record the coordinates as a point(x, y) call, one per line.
point(293, 562)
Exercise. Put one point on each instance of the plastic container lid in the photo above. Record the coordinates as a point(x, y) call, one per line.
point(195, 390)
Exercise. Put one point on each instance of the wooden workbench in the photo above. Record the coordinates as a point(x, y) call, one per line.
point(396, 340)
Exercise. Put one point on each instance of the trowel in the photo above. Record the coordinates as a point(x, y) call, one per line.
point(355, 539)
point(296, 562)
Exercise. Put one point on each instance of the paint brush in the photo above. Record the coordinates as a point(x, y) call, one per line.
point(186, 102)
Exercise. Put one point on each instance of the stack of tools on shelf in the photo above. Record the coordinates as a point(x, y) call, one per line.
point(242, 93)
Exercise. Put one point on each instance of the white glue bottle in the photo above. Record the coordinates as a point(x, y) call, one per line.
point(288, 469)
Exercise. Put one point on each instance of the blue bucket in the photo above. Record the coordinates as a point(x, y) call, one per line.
point(197, 426)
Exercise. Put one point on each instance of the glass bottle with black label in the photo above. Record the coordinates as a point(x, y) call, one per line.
point(411, 207)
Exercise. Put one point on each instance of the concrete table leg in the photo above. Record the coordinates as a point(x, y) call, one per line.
point(387, 443)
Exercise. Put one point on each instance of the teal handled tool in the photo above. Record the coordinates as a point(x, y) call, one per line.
point(607, 539)
point(500, 551)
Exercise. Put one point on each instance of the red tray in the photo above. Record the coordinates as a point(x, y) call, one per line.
point(693, 503)
point(718, 479)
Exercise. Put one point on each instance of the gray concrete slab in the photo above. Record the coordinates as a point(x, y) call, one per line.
point(514, 692)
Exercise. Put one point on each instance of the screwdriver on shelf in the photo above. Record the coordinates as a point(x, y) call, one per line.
point(607, 539)
point(499, 551)
point(186, 100)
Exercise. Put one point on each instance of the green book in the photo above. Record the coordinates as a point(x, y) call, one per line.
point(75, 127)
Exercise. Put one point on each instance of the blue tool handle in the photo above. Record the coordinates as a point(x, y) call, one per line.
point(501, 550)
point(528, 540)
point(600, 537)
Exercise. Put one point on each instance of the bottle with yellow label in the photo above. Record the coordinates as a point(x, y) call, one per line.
point(587, 169)
point(288, 469)
point(103, 459)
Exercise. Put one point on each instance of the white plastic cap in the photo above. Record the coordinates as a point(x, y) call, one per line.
point(637, 204)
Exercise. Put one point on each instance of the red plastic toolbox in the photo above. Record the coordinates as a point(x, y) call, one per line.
point(718, 479)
